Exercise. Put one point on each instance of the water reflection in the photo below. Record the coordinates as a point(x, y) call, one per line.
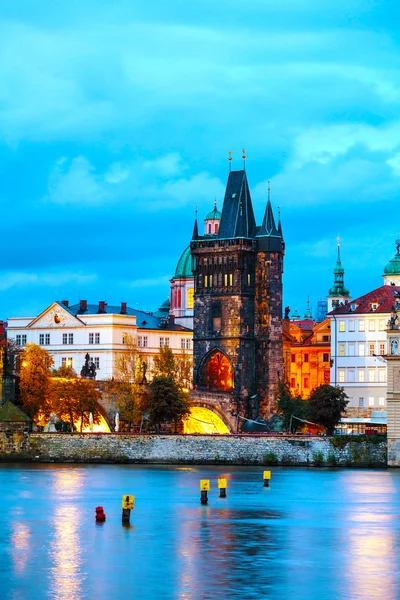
point(20, 540)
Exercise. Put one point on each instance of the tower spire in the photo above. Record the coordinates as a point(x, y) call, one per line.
point(338, 292)
point(195, 226)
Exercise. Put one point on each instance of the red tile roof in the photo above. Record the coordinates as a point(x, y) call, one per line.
point(385, 296)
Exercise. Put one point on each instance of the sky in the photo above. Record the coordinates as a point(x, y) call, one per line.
point(116, 119)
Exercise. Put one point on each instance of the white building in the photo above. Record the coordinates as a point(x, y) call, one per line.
point(70, 332)
point(359, 341)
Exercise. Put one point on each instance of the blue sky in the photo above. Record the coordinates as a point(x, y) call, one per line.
point(116, 119)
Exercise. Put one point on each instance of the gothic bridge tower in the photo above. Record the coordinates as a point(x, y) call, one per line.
point(238, 305)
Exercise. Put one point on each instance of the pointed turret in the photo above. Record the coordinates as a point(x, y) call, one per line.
point(212, 220)
point(308, 313)
point(338, 294)
point(237, 219)
point(195, 235)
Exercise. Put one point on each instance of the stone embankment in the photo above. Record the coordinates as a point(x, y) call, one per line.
point(191, 449)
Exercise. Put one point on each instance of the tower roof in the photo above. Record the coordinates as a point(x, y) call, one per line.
point(237, 219)
point(393, 266)
point(214, 214)
point(338, 288)
point(184, 268)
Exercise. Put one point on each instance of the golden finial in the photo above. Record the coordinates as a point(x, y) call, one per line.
point(338, 240)
point(269, 189)
point(230, 159)
point(244, 157)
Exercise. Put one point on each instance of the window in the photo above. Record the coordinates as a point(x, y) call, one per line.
point(371, 375)
point(91, 338)
point(293, 382)
point(341, 349)
point(183, 343)
point(351, 349)
point(205, 280)
point(66, 362)
point(371, 348)
point(21, 339)
point(142, 341)
point(325, 357)
point(209, 228)
point(306, 382)
point(361, 326)
point(361, 402)
point(381, 401)
point(164, 342)
point(211, 280)
point(97, 338)
point(248, 279)
point(371, 401)
point(327, 377)
point(351, 325)
point(374, 305)
point(306, 358)
point(350, 375)
point(188, 343)
point(371, 325)
point(41, 339)
point(382, 348)
point(361, 349)
point(145, 341)
point(96, 361)
point(382, 325)
point(381, 375)
point(216, 227)
point(67, 338)
point(293, 358)
point(216, 316)
point(226, 280)
point(190, 298)
point(361, 375)
point(70, 338)
point(325, 338)
point(342, 326)
point(230, 279)
point(341, 376)
point(47, 339)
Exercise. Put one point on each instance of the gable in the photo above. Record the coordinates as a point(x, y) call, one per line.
point(55, 316)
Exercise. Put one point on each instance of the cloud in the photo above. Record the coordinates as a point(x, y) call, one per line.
point(163, 281)
point(19, 279)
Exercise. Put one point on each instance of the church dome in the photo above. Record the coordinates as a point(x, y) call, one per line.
point(214, 214)
point(393, 266)
point(184, 268)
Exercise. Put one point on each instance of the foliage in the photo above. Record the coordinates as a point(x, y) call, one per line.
point(73, 400)
point(289, 406)
point(318, 459)
point(271, 459)
point(341, 441)
point(327, 403)
point(35, 380)
point(64, 371)
point(9, 356)
point(127, 384)
point(331, 459)
point(164, 401)
point(176, 366)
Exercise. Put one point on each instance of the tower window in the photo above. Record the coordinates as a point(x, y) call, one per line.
point(216, 316)
point(216, 228)
point(209, 228)
point(190, 298)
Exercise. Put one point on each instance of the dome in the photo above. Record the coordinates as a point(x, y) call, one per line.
point(214, 214)
point(393, 266)
point(184, 268)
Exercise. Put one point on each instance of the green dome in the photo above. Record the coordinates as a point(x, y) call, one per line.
point(184, 268)
point(393, 266)
point(214, 214)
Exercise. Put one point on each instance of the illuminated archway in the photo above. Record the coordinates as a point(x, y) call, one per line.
point(203, 420)
point(217, 373)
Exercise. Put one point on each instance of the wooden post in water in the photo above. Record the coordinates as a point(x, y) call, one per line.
point(267, 478)
point(222, 488)
point(204, 488)
point(128, 504)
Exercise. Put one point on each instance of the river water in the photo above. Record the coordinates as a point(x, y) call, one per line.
point(315, 533)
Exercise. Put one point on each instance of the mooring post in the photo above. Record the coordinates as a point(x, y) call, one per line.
point(128, 504)
point(267, 478)
point(204, 488)
point(222, 488)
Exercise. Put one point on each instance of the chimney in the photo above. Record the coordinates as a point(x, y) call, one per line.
point(82, 305)
point(65, 302)
point(102, 306)
point(123, 308)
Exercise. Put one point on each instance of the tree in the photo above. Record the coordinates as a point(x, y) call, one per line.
point(327, 403)
point(127, 384)
point(176, 366)
point(35, 380)
point(165, 402)
point(289, 407)
point(73, 400)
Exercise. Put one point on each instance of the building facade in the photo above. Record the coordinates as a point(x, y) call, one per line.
point(71, 332)
point(238, 304)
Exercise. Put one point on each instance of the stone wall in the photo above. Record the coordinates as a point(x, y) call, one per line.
point(196, 449)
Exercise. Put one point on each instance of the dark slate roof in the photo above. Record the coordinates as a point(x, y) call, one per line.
point(268, 225)
point(237, 219)
point(384, 296)
point(144, 320)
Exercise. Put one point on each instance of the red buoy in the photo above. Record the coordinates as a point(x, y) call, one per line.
point(100, 514)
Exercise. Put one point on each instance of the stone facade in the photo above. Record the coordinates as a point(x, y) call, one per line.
point(196, 449)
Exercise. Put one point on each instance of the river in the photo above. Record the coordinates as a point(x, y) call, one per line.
point(314, 533)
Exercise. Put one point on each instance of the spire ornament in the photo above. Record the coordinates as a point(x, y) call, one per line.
point(230, 160)
point(244, 158)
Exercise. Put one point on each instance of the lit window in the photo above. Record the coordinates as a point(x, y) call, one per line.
point(361, 326)
point(351, 325)
point(97, 338)
point(306, 358)
point(69, 362)
point(361, 350)
point(341, 349)
point(341, 376)
point(66, 362)
point(225, 279)
point(381, 401)
point(230, 279)
point(205, 280)
point(381, 375)
point(361, 375)
point(211, 280)
point(372, 349)
point(190, 298)
point(382, 325)
point(382, 348)
point(342, 326)
point(216, 227)
point(91, 338)
point(293, 357)
point(371, 375)
point(248, 279)
point(306, 382)
point(371, 325)
point(292, 382)
point(371, 401)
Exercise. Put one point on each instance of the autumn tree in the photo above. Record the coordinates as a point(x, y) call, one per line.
point(35, 380)
point(290, 406)
point(73, 400)
point(327, 403)
point(127, 383)
point(164, 402)
point(176, 366)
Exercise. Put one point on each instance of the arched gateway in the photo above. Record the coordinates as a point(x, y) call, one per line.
point(216, 373)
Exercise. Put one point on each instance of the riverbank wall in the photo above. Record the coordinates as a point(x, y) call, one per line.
point(190, 449)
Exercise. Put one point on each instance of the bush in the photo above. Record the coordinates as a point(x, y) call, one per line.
point(318, 459)
point(340, 441)
point(271, 459)
point(331, 460)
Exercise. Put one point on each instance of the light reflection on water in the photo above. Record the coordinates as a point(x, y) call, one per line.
point(329, 534)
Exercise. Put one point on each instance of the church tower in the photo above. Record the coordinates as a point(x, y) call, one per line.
point(338, 294)
point(238, 304)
